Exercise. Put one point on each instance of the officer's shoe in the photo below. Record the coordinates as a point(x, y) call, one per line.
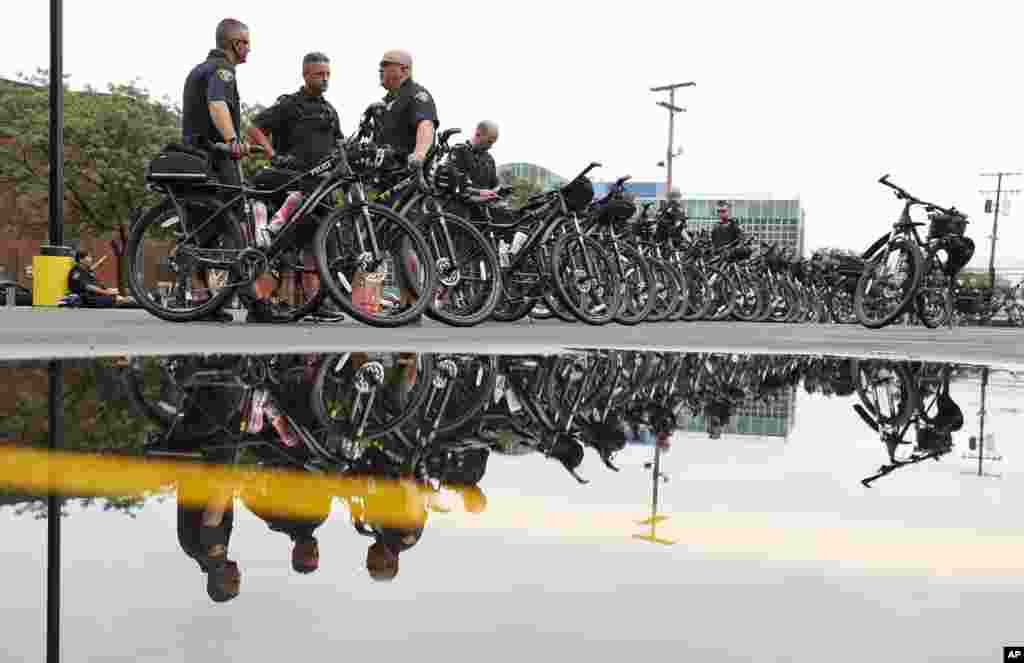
point(262, 311)
point(218, 316)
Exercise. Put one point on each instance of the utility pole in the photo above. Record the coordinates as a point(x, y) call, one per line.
point(995, 220)
point(655, 519)
point(670, 154)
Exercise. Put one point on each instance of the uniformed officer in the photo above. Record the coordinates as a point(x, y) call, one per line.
point(303, 126)
point(474, 159)
point(407, 124)
point(410, 116)
point(211, 113)
point(211, 109)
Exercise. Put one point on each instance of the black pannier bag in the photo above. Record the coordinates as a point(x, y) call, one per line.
point(960, 250)
point(578, 194)
point(451, 179)
point(946, 224)
point(617, 210)
point(179, 164)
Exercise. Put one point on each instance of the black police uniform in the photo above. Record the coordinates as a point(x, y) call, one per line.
point(212, 80)
point(477, 164)
point(301, 126)
point(79, 280)
point(404, 109)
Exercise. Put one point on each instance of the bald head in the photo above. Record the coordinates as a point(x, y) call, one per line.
point(395, 68)
point(486, 135)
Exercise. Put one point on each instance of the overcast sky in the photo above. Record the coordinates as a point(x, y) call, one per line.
point(813, 99)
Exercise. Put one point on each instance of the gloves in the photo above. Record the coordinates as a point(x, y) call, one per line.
point(284, 161)
point(414, 162)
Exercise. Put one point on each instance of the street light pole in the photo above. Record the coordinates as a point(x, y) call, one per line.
point(56, 123)
point(672, 110)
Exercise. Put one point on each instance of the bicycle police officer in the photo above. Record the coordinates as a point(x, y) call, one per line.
point(409, 118)
point(407, 124)
point(211, 109)
point(474, 159)
point(303, 126)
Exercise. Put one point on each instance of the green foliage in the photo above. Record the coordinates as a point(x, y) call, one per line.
point(108, 139)
point(523, 189)
point(974, 280)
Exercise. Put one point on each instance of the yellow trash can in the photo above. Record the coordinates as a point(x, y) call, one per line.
point(50, 271)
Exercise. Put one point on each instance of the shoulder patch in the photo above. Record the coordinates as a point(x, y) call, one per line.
point(423, 96)
point(225, 75)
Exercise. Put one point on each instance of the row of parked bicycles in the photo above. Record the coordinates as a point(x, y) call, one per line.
point(440, 417)
point(462, 258)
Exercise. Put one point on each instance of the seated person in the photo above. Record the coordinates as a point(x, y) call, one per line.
point(82, 281)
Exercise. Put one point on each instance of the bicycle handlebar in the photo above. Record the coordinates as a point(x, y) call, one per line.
point(903, 194)
point(226, 148)
point(589, 168)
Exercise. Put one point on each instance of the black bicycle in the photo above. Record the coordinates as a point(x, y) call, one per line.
point(204, 234)
point(904, 271)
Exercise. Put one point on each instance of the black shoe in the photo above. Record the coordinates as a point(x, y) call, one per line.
point(264, 312)
point(218, 316)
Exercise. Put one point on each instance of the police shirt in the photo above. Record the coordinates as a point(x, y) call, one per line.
point(212, 80)
point(725, 233)
point(477, 164)
point(404, 109)
point(301, 125)
point(79, 280)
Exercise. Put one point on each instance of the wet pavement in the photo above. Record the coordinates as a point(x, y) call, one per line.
point(593, 504)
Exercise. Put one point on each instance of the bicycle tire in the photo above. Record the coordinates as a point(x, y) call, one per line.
point(609, 285)
point(641, 268)
point(916, 262)
point(230, 237)
point(341, 292)
point(489, 262)
point(670, 291)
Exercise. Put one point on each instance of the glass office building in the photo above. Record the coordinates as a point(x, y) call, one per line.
point(539, 175)
point(771, 220)
point(752, 417)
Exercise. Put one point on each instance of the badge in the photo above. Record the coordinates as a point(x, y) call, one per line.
point(225, 75)
point(423, 96)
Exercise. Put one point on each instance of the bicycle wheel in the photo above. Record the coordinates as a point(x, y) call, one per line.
point(346, 258)
point(593, 296)
point(886, 390)
point(934, 299)
point(699, 295)
point(469, 280)
point(637, 285)
point(668, 291)
point(888, 284)
point(358, 396)
point(723, 295)
point(181, 270)
point(750, 296)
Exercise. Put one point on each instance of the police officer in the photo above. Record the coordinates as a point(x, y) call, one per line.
point(211, 113)
point(409, 118)
point(407, 123)
point(211, 109)
point(303, 126)
point(474, 159)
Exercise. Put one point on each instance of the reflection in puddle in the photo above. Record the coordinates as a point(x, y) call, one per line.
point(440, 469)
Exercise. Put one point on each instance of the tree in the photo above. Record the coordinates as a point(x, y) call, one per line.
point(523, 188)
point(108, 139)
